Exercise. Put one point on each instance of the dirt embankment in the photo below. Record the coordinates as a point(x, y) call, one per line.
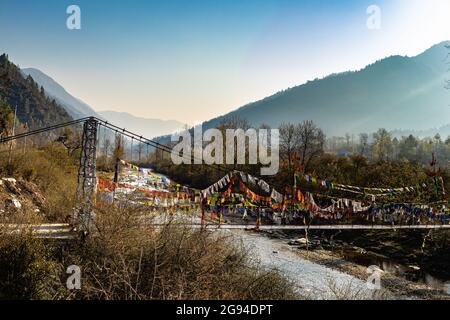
point(20, 198)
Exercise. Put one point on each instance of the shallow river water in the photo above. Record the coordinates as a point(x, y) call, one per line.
point(312, 280)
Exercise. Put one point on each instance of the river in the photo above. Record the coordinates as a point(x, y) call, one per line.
point(313, 281)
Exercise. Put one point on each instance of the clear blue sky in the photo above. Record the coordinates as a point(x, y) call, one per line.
point(192, 60)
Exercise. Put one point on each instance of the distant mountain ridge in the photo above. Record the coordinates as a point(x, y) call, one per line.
point(396, 93)
point(146, 127)
point(443, 131)
point(75, 107)
point(79, 109)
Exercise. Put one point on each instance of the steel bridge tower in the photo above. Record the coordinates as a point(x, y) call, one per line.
point(87, 176)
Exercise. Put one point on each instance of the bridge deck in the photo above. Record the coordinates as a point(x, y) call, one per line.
point(333, 227)
point(64, 231)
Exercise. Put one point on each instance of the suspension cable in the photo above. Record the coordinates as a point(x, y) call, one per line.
point(42, 130)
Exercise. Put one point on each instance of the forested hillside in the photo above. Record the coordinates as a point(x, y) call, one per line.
point(34, 108)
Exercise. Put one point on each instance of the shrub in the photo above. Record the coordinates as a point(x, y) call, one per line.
point(128, 260)
point(27, 269)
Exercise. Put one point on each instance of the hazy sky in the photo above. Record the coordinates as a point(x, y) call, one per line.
point(192, 60)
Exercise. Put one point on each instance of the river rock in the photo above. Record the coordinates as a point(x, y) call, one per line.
point(14, 203)
point(416, 268)
point(301, 241)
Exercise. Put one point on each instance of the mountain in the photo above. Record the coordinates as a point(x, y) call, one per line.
point(443, 131)
point(397, 92)
point(78, 109)
point(75, 107)
point(146, 127)
point(34, 107)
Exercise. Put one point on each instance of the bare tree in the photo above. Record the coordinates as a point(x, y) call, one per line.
point(363, 144)
point(70, 140)
point(348, 139)
point(311, 142)
point(383, 146)
point(289, 143)
point(106, 146)
point(234, 122)
point(118, 151)
point(140, 145)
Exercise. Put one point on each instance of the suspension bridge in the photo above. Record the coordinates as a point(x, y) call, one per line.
point(87, 187)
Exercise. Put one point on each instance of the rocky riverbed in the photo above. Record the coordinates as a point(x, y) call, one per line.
point(401, 280)
point(312, 279)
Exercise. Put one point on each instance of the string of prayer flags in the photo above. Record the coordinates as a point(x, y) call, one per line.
point(136, 168)
point(228, 181)
point(254, 181)
point(104, 185)
point(276, 196)
point(360, 190)
point(225, 181)
point(264, 186)
point(251, 180)
point(299, 196)
point(336, 205)
point(243, 177)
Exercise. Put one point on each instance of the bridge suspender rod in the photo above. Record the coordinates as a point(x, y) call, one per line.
point(165, 148)
point(152, 143)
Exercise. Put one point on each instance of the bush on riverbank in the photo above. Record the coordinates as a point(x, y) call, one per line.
point(128, 260)
point(125, 259)
point(28, 269)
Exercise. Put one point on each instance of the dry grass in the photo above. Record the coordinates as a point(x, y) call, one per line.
point(352, 291)
point(127, 260)
point(53, 171)
point(28, 270)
